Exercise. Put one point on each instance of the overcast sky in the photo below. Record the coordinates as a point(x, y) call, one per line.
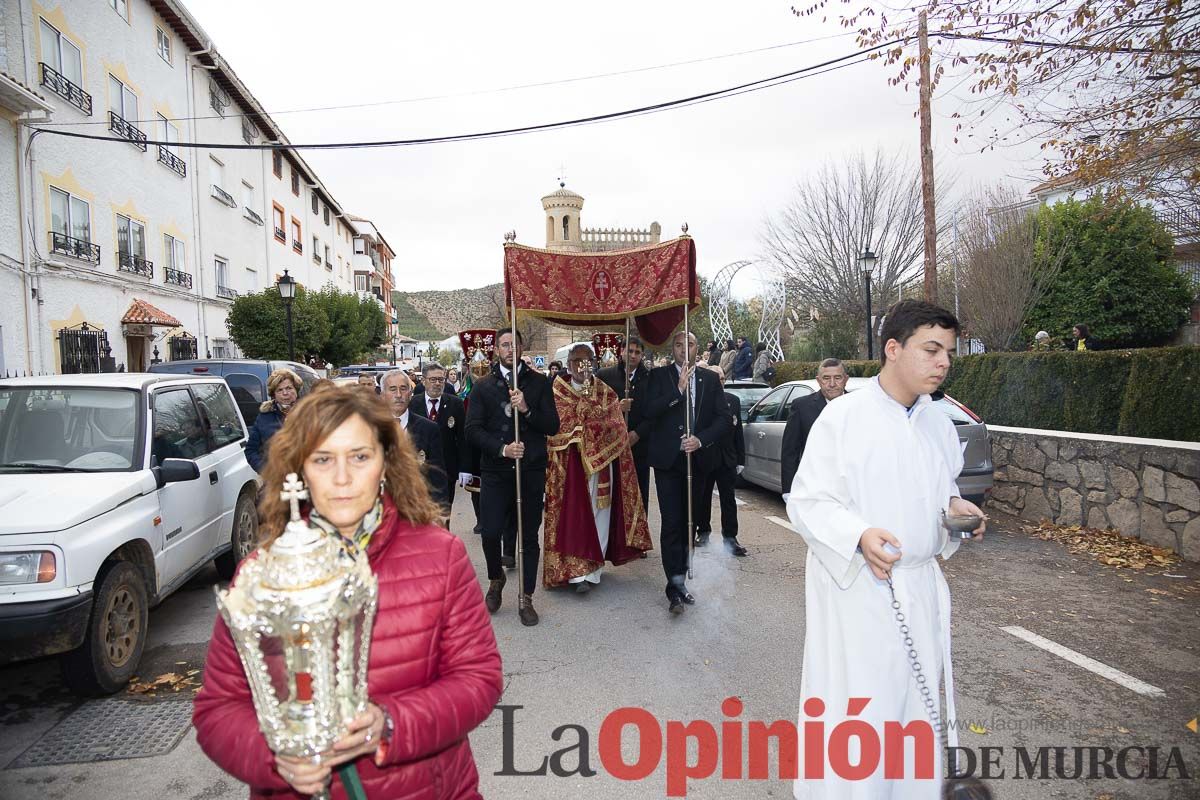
point(720, 166)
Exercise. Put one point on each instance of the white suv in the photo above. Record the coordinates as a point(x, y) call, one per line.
point(114, 490)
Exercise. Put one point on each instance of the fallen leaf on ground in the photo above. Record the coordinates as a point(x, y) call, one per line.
point(1109, 547)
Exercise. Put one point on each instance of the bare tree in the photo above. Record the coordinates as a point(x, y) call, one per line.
point(1004, 265)
point(1111, 86)
point(864, 201)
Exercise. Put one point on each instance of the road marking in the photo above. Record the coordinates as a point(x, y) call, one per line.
point(783, 523)
point(1090, 664)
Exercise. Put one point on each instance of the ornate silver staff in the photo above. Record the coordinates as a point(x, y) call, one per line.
point(300, 616)
point(687, 427)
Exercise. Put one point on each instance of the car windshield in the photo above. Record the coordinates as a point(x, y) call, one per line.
point(48, 429)
point(748, 395)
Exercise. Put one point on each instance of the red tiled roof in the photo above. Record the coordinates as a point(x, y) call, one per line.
point(142, 313)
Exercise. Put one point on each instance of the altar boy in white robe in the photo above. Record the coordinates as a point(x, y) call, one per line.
point(878, 471)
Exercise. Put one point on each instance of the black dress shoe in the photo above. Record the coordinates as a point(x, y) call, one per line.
point(702, 538)
point(525, 611)
point(478, 530)
point(493, 597)
point(735, 547)
point(687, 597)
point(508, 562)
point(676, 605)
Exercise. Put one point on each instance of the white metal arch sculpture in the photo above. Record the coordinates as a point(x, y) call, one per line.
point(774, 307)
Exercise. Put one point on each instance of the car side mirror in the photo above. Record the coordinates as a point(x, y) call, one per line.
point(174, 470)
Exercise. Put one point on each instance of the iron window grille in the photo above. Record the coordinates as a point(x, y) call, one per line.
point(218, 97)
point(253, 216)
point(224, 196)
point(126, 130)
point(226, 292)
point(177, 277)
point(67, 90)
point(128, 262)
point(82, 249)
point(173, 161)
point(81, 348)
point(182, 347)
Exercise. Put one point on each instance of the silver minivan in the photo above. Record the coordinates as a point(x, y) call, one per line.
point(764, 438)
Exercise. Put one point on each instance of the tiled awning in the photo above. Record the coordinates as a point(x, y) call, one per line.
point(142, 313)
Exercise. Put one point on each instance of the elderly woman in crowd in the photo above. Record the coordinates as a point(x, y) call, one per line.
point(434, 672)
point(283, 390)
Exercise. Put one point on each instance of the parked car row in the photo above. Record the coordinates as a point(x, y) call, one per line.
point(765, 421)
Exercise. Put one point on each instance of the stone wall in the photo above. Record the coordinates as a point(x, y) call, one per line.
point(1146, 488)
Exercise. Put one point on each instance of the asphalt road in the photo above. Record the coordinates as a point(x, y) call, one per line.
point(618, 647)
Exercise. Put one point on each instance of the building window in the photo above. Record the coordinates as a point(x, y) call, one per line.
point(131, 247)
point(61, 55)
point(71, 226)
point(297, 244)
point(162, 43)
point(222, 269)
point(566, 228)
point(121, 100)
point(277, 163)
point(360, 282)
point(121, 7)
point(278, 221)
point(218, 98)
point(316, 251)
point(168, 132)
point(295, 183)
point(249, 132)
point(222, 349)
point(315, 203)
point(328, 257)
point(173, 256)
point(326, 212)
point(360, 247)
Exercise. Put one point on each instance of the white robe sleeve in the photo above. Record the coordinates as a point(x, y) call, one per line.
point(954, 461)
point(819, 504)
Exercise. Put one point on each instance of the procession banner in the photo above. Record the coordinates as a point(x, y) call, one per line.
point(650, 284)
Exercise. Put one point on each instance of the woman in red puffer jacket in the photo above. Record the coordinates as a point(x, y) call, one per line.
point(434, 672)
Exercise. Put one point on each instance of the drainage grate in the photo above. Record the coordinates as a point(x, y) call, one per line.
point(109, 730)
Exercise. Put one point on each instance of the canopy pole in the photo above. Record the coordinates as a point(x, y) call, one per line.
point(516, 416)
point(626, 365)
point(687, 432)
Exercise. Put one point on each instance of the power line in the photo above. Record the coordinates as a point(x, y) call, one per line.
point(719, 94)
point(480, 92)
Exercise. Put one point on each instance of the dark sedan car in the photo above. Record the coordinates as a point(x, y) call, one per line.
point(765, 422)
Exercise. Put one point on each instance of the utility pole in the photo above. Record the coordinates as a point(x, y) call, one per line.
point(926, 101)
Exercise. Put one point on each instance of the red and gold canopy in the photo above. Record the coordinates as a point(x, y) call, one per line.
point(650, 284)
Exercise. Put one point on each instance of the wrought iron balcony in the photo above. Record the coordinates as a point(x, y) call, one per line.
point(64, 88)
point(173, 161)
point(128, 262)
point(178, 278)
point(253, 216)
point(126, 130)
point(328, 265)
point(226, 292)
point(299, 248)
point(317, 258)
point(82, 249)
point(281, 234)
point(224, 196)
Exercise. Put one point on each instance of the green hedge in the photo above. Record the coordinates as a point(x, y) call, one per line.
point(1152, 393)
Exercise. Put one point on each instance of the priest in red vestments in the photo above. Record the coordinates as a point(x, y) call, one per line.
point(594, 508)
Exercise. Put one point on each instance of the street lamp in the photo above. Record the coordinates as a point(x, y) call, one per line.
point(287, 291)
point(866, 265)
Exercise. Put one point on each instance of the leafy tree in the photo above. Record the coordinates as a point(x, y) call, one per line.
point(1118, 276)
point(432, 353)
point(257, 323)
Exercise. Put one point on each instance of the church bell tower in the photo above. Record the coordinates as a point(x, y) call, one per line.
point(563, 231)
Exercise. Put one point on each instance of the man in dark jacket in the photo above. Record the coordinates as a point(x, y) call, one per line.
point(831, 378)
point(743, 364)
point(496, 403)
point(398, 391)
point(438, 405)
point(723, 477)
point(639, 427)
point(666, 409)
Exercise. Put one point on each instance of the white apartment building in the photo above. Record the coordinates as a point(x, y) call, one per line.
point(127, 250)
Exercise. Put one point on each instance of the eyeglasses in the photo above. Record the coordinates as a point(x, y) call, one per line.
point(435, 380)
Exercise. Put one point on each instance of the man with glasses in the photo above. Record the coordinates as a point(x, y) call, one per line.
point(398, 391)
point(439, 406)
point(831, 378)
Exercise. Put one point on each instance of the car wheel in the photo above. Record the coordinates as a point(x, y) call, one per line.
point(116, 634)
point(243, 539)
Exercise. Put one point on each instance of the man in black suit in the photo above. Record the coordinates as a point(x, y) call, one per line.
point(665, 410)
point(639, 427)
point(438, 405)
point(723, 477)
point(491, 415)
point(831, 378)
point(397, 390)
